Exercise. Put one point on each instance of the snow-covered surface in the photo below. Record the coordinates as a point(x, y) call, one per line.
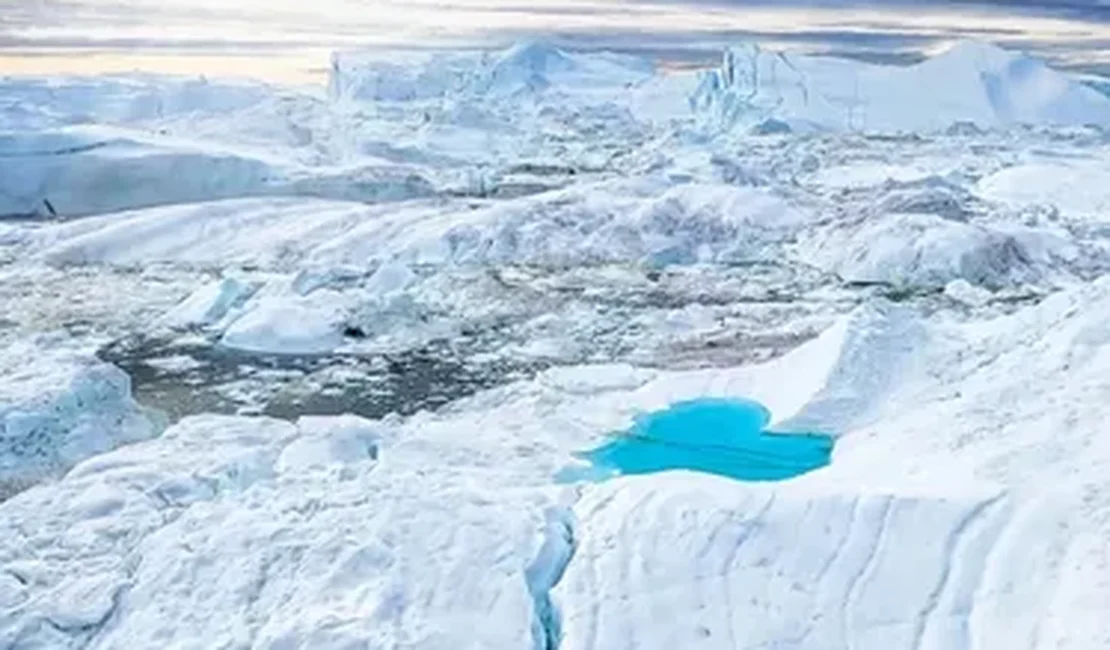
point(499, 259)
point(1077, 188)
point(615, 221)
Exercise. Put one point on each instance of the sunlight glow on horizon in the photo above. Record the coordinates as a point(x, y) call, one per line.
point(180, 35)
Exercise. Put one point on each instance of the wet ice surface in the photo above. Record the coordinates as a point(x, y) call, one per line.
point(487, 328)
point(187, 380)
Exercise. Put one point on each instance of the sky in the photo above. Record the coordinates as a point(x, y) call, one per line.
point(291, 39)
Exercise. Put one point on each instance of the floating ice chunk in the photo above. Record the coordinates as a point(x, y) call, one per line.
point(594, 379)
point(290, 324)
point(528, 66)
point(390, 277)
point(211, 303)
point(379, 77)
point(326, 442)
point(964, 292)
point(310, 279)
point(38, 102)
point(523, 70)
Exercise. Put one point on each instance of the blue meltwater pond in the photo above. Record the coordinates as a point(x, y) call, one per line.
point(716, 436)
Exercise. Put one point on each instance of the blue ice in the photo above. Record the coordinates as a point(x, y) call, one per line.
point(725, 437)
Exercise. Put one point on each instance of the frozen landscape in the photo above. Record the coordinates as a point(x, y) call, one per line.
point(492, 349)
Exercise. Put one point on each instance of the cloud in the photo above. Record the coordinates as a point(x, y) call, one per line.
point(1093, 10)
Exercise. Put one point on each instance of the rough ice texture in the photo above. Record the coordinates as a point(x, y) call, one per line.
point(211, 303)
point(971, 83)
point(58, 407)
point(640, 221)
point(524, 69)
point(922, 250)
point(222, 532)
point(442, 530)
point(80, 171)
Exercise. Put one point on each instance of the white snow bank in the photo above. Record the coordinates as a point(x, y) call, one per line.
point(331, 442)
point(1009, 397)
point(880, 172)
point(642, 221)
point(970, 83)
point(751, 567)
point(1078, 189)
point(58, 407)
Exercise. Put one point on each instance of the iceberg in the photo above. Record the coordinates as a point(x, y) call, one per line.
point(970, 83)
point(59, 406)
point(522, 70)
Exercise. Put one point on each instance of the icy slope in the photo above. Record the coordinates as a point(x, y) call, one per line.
point(970, 83)
point(642, 220)
point(729, 558)
point(924, 250)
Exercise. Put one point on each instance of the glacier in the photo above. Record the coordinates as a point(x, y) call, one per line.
point(307, 367)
